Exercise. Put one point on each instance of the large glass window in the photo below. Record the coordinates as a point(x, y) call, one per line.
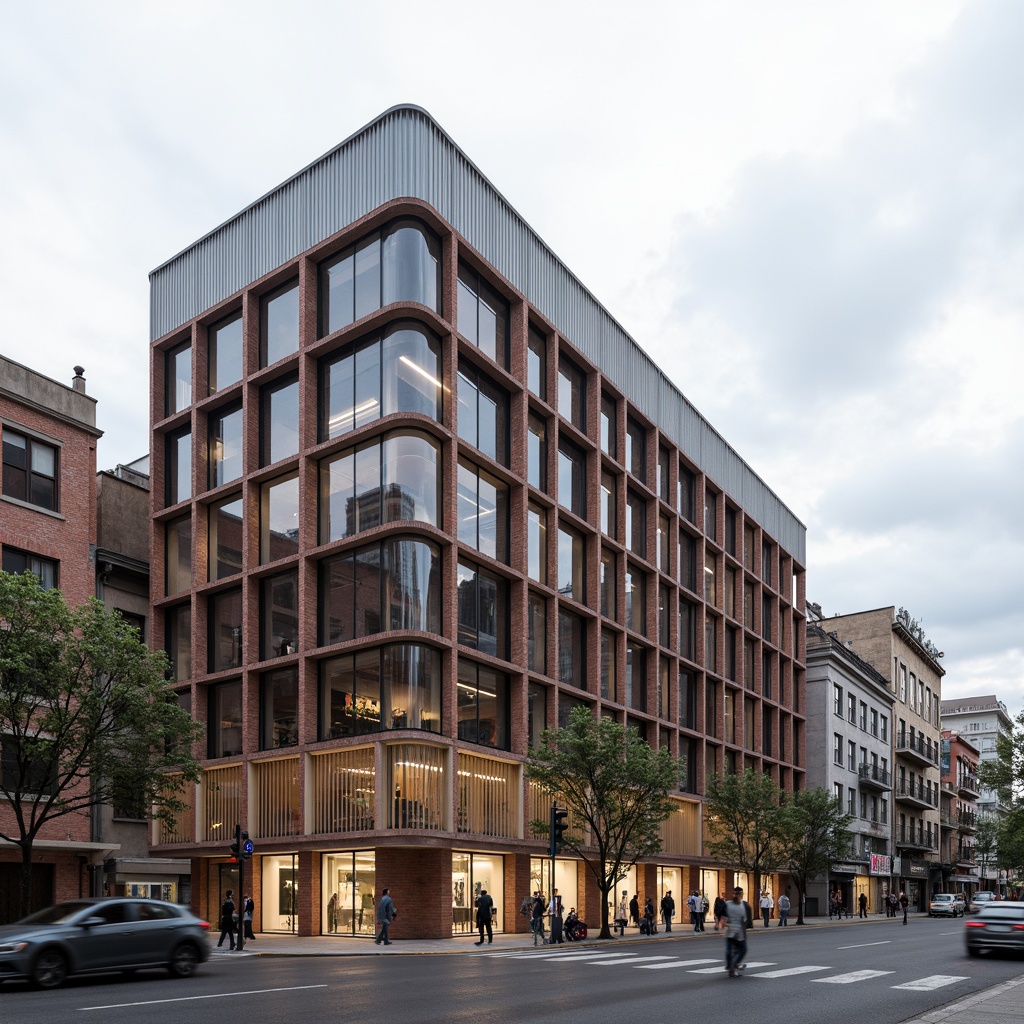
point(537, 543)
point(279, 421)
point(279, 324)
point(687, 561)
point(572, 393)
point(177, 640)
point(393, 687)
point(179, 468)
point(279, 519)
point(609, 589)
point(571, 565)
point(178, 536)
point(687, 487)
point(636, 677)
point(483, 413)
point(279, 615)
point(410, 264)
point(636, 449)
point(609, 426)
point(664, 555)
point(482, 610)
point(608, 518)
point(350, 878)
point(224, 632)
point(572, 479)
point(397, 372)
point(688, 630)
point(482, 511)
point(608, 666)
point(537, 363)
point(663, 475)
point(224, 715)
point(536, 633)
point(636, 524)
point(482, 705)
point(225, 445)
point(536, 453)
point(225, 353)
point(388, 586)
point(536, 712)
point(393, 480)
point(279, 708)
point(710, 514)
point(636, 599)
point(226, 538)
point(483, 315)
point(44, 569)
point(30, 470)
point(571, 649)
point(179, 378)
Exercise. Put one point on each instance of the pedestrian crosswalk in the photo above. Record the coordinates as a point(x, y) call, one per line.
point(709, 966)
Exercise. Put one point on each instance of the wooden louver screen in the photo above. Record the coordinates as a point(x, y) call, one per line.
point(488, 797)
point(343, 791)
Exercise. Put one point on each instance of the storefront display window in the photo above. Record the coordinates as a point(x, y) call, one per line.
point(280, 896)
point(565, 881)
point(471, 874)
point(349, 893)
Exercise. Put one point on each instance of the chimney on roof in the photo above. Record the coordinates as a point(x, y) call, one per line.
point(78, 381)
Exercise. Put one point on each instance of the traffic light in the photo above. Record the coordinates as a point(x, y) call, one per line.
point(235, 847)
point(558, 827)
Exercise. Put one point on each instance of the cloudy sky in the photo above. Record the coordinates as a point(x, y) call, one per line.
point(811, 214)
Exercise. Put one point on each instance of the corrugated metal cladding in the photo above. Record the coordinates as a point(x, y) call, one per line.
point(406, 153)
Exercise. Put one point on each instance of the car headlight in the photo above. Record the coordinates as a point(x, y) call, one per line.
point(13, 947)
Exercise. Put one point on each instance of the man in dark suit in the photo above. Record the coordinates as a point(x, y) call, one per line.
point(484, 905)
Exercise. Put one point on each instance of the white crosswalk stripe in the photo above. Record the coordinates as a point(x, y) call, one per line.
point(674, 963)
point(721, 970)
point(933, 981)
point(609, 963)
point(788, 972)
point(849, 979)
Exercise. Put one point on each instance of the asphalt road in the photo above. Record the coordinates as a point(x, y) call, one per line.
point(794, 975)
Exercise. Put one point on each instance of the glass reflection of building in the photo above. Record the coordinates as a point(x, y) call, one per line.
point(441, 500)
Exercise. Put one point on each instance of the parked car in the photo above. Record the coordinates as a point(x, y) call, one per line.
point(999, 925)
point(944, 904)
point(88, 935)
point(979, 899)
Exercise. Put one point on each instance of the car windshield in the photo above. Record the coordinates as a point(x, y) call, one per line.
point(997, 913)
point(56, 915)
point(941, 899)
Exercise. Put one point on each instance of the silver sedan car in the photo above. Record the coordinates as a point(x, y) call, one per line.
point(998, 925)
point(89, 935)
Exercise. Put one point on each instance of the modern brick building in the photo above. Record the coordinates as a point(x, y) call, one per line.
point(894, 645)
point(48, 525)
point(416, 496)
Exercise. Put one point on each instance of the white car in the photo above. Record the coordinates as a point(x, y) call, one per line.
point(981, 899)
point(944, 904)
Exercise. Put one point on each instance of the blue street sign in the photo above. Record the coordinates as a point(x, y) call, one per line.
point(247, 847)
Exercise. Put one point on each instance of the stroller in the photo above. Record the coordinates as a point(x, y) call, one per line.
point(575, 929)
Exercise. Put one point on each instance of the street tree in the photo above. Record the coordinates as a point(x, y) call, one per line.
point(815, 837)
point(87, 717)
point(615, 787)
point(1005, 775)
point(746, 823)
point(986, 842)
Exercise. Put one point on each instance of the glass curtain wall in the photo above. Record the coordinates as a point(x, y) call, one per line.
point(471, 874)
point(349, 893)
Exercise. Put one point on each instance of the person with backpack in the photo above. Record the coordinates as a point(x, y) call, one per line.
point(537, 918)
point(737, 920)
point(784, 907)
point(649, 925)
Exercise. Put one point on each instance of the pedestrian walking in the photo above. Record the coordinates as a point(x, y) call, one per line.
point(719, 909)
point(767, 905)
point(904, 903)
point(555, 915)
point(693, 906)
point(650, 918)
point(668, 908)
point(704, 906)
point(839, 904)
point(228, 920)
point(738, 918)
point(386, 913)
point(537, 919)
point(634, 910)
point(484, 906)
point(622, 914)
point(248, 907)
point(784, 908)
point(862, 905)
point(332, 913)
point(891, 903)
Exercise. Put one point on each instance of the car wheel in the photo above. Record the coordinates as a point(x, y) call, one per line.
point(184, 960)
point(50, 969)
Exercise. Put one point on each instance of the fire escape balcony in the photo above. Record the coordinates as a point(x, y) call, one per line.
point(916, 794)
point(918, 749)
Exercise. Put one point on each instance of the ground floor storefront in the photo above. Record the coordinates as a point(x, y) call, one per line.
point(335, 892)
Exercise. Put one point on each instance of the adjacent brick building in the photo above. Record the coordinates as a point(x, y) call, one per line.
point(416, 496)
point(958, 812)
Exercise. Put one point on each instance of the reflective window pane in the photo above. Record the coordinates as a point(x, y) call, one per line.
point(279, 324)
point(279, 519)
point(279, 426)
point(225, 545)
point(225, 353)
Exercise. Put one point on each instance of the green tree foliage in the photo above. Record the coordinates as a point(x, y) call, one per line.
point(86, 716)
point(746, 823)
point(1005, 775)
point(615, 787)
point(816, 836)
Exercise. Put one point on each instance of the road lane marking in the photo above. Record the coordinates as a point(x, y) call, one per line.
point(675, 963)
point(933, 981)
point(861, 945)
point(589, 957)
point(217, 995)
point(606, 963)
point(789, 971)
point(849, 979)
point(720, 970)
